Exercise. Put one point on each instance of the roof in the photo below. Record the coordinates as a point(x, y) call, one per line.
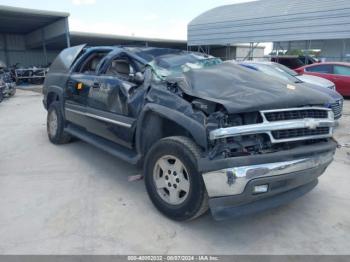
point(124, 38)
point(94, 39)
point(110, 39)
point(22, 20)
point(271, 21)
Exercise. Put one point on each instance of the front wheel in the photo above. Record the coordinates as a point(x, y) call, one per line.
point(172, 179)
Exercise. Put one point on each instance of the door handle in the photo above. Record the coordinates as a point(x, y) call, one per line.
point(70, 83)
point(96, 85)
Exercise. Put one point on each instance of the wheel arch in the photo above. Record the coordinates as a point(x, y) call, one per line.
point(53, 93)
point(156, 122)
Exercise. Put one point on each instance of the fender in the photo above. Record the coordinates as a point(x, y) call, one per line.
point(53, 89)
point(197, 130)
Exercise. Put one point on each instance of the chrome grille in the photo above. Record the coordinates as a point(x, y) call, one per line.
point(301, 132)
point(337, 109)
point(285, 125)
point(311, 114)
point(295, 114)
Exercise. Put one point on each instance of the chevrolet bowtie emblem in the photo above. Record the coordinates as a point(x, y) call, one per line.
point(311, 124)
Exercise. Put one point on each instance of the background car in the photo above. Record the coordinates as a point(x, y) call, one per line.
point(10, 85)
point(294, 61)
point(8, 81)
point(2, 89)
point(284, 73)
point(338, 73)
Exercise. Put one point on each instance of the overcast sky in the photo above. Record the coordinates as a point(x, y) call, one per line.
point(149, 18)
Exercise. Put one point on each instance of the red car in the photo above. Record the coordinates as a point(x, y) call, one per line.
point(338, 73)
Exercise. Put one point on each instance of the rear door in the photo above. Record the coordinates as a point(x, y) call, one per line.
point(342, 79)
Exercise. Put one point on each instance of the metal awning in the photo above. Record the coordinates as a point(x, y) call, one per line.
point(271, 21)
point(94, 39)
point(16, 20)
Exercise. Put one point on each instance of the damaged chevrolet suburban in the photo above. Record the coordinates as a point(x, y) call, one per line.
point(209, 134)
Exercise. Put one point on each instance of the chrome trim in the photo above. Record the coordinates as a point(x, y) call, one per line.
point(266, 127)
point(232, 181)
point(75, 111)
point(99, 118)
point(296, 109)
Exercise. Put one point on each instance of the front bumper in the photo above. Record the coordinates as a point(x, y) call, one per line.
point(287, 174)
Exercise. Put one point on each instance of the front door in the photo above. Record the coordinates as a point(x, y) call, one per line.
point(109, 101)
point(79, 88)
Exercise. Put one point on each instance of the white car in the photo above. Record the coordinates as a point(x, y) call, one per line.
point(284, 73)
point(314, 80)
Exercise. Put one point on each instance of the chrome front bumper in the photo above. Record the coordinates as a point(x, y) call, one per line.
point(232, 181)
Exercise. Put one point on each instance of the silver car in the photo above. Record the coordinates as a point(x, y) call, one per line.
point(314, 82)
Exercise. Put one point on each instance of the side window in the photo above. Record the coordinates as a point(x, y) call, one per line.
point(342, 70)
point(323, 69)
point(121, 67)
point(89, 65)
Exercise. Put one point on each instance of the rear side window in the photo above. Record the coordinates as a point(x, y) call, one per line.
point(66, 58)
point(324, 69)
point(342, 70)
point(90, 63)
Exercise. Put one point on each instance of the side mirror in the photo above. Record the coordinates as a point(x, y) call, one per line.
point(139, 78)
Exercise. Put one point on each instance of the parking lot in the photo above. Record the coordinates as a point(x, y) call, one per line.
point(76, 199)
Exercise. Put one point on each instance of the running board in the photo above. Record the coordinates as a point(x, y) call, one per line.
point(114, 149)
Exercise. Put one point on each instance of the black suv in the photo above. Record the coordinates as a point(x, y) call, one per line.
point(293, 62)
point(207, 132)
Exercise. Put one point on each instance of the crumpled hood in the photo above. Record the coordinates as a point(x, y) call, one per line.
point(243, 90)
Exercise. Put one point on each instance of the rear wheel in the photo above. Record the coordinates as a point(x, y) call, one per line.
point(55, 125)
point(172, 180)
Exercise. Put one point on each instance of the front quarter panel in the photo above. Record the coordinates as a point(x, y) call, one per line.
point(54, 83)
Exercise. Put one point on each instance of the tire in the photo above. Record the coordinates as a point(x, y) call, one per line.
point(55, 125)
point(177, 192)
point(1, 96)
